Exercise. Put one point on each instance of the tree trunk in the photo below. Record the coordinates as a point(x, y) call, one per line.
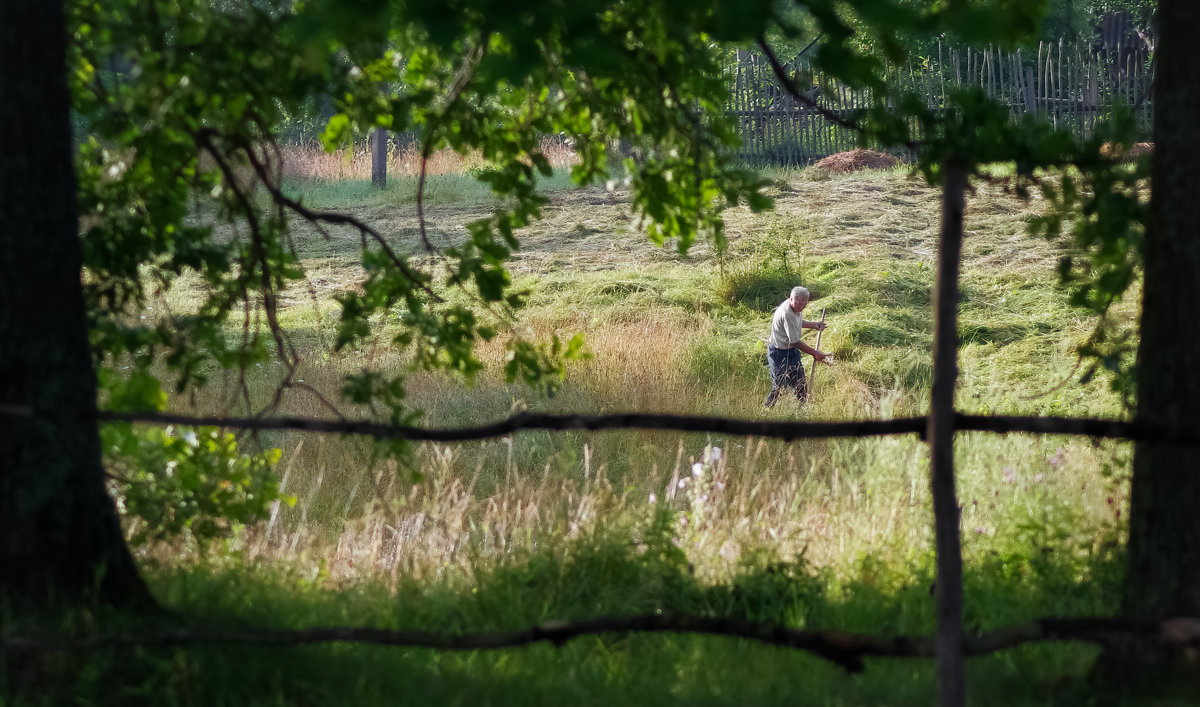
point(379, 148)
point(60, 541)
point(940, 435)
point(1164, 523)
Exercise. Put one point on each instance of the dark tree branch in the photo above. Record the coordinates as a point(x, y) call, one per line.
point(1112, 429)
point(794, 91)
point(462, 79)
point(283, 345)
point(846, 650)
point(426, 150)
point(539, 421)
point(1173, 433)
point(317, 218)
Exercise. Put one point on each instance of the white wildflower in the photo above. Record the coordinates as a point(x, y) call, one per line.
point(653, 498)
point(697, 469)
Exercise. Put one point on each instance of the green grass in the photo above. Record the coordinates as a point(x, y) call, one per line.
point(440, 189)
point(625, 569)
point(496, 534)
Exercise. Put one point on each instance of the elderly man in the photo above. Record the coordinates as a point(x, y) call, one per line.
point(784, 346)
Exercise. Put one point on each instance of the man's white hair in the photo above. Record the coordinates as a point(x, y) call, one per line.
point(801, 292)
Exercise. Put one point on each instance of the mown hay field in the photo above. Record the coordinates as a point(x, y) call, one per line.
point(824, 533)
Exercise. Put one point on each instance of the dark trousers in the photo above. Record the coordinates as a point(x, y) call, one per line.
point(786, 372)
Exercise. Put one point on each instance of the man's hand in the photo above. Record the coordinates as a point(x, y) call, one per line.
point(819, 326)
point(820, 356)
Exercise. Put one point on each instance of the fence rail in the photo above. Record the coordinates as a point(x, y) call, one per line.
point(844, 649)
point(1139, 431)
point(1072, 86)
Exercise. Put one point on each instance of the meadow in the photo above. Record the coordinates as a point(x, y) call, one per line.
point(537, 526)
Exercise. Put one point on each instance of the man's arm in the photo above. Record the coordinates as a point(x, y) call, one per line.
point(805, 324)
point(809, 350)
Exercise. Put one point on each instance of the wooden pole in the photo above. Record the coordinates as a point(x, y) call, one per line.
point(940, 435)
point(379, 158)
point(813, 376)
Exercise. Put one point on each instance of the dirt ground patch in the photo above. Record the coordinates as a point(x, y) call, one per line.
point(855, 160)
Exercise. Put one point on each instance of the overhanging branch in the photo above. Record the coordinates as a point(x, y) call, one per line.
point(541, 421)
point(1111, 429)
point(794, 91)
point(1086, 427)
point(846, 650)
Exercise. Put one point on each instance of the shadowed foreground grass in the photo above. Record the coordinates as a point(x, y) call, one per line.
point(635, 568)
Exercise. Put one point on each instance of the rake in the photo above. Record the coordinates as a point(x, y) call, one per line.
point(813, 376)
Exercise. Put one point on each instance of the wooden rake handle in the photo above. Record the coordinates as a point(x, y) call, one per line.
point(812, 376)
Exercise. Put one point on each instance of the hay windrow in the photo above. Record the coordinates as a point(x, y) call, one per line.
point(854, 160)
point(1131, 153)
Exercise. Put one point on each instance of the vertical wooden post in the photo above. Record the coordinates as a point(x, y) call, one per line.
point(739, 98)
point(379, 143)
point(1030, 91)
point(942, 77)
point(1000, 85)
point(940, 436)
point(1093, 86)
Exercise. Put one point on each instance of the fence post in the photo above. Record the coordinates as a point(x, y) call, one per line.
point(1030, 91)
point(940, 436)
point(379, 143)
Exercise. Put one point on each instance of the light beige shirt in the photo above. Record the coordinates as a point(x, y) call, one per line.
point(785, 326)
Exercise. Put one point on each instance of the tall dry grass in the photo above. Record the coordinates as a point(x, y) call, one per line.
point(673, 335)
point(311, 162)
point(464, 507)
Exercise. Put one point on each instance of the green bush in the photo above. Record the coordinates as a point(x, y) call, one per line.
point(759, 286)
point(188, 481)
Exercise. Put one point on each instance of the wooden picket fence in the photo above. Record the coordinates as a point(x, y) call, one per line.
point(1072, 87)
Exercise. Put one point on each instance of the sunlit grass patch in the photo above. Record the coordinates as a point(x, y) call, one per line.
point(439, 189)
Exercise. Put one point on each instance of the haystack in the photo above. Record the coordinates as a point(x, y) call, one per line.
point(855, 160)
point(1126, 154)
